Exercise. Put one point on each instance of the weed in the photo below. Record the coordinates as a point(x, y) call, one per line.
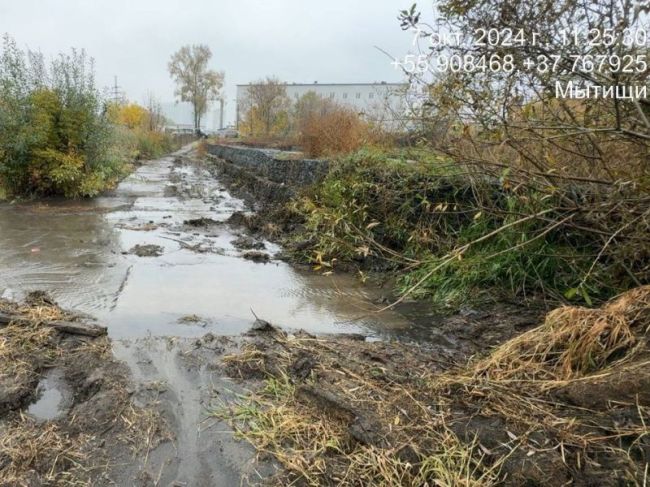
point(456, 235)
point(544, 408)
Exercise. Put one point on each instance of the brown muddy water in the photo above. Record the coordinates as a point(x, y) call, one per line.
point(78, 252)
point(193, 283)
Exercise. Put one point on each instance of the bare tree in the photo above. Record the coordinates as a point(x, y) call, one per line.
point(195, 83)
point(156, 119)
point(516, 97)
point(244, 119)
point(308, 106)
point(268, 100)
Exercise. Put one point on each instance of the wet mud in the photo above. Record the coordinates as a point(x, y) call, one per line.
point(167, 243)
point(66, 413)
point(192, 299)
point(564, 403)
point(165, 264)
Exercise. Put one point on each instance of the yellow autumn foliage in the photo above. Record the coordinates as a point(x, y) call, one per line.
point(130, 115)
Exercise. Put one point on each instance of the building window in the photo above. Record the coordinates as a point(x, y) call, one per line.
point(345, 95)
point(371, 96)
point(358, 95)
point(332, 94)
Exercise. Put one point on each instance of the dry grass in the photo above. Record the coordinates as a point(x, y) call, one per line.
point(513, 415)
point(537, 383)
point(338, 131)
point(24, 349)
point(408, 442)
point(142, 429)
point(37, 308)
point(28, 447)
point(280, 142)
point(202, 148)
point(63, 452)
point(27, 347)
point(574, 341)
point(32, 453)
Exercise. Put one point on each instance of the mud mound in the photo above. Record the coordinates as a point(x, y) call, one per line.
point(564, 403)
point(149, 250)
point(246, 242)
point(239, 218)
point(256, 256)
point(201, 222)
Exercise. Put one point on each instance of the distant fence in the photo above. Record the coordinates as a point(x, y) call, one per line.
point(183, 139)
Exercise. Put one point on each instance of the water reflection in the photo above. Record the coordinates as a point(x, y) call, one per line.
point(78, 251)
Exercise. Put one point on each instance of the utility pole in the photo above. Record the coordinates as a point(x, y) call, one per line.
point(221, 113)
point(116, 92)
point(237, 114)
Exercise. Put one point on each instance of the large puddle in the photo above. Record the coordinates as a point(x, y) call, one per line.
point(78, 252)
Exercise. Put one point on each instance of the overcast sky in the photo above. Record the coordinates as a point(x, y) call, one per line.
point(296, 40)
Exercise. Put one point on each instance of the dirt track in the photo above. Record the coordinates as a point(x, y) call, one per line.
point(153, 403)
point(158, 263)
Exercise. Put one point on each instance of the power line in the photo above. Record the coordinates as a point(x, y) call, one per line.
point(116, 92)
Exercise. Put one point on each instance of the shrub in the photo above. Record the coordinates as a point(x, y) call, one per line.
point(151, 144)
point(141, 138)
point(54, 135)
point(584, 156)
point(459, 234)
point(337, 130)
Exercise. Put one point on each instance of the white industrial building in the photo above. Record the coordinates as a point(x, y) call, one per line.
point(382, 103)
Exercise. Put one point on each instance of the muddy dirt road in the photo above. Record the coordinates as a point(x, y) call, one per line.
point(164, 265)
point(131, 261)
point(158, 264)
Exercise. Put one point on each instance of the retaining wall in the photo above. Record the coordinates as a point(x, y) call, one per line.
point(274, 165)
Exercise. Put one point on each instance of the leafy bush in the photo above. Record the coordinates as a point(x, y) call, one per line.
point(140, 136)
point(458, 234)
point(54, 136)
point(152, 144)
point(316, 125)
point(325, 128)
point(139, 144)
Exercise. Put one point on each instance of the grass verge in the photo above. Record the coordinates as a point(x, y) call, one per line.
point(566, 402)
